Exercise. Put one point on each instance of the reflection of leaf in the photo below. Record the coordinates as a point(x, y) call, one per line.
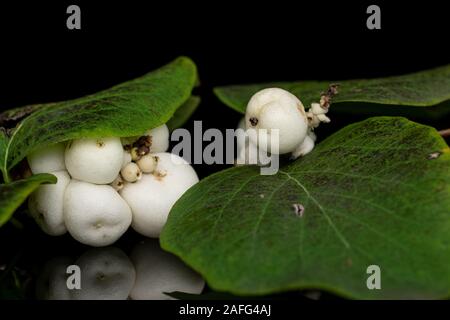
point(371, 195)
point(13, 194)
point(203, 296)
point(183, 113)
point(421, 89)
point(127, 109)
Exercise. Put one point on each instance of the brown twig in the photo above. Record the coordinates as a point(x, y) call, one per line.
point(325, 97)
point(445, 133)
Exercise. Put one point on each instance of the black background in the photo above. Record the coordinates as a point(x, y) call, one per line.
point(230, 41)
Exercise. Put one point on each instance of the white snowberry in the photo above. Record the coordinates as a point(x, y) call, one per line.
point(46, 205)
point(147, 163)
point(106, 274)
point(131, 172)
point(152, 197)
point(159, 272)
point(94, 160)
point(95, 215)
point(160, 138)
point(48, 159)
point(275, 108)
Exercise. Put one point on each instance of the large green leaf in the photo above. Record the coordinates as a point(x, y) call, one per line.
point(13, 194)
point(421, 89)
point(124, 110)
point(376, 192)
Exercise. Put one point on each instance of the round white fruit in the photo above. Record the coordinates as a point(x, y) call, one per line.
point(147, 163)
point(106, 274)
point(95, 215)
point(160, 138)
point(47, 202)
point(275, 108)
point(152, 197)
point(131, 172)
point(47, 159)
point(94, 160)
point(158, 272)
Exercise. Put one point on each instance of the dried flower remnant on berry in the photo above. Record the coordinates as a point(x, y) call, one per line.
point(325, 97)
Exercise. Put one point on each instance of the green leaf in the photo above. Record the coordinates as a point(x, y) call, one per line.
point(3, 146)
point(183, 113)
point(127, 109)
point(421, 89)
point(375, 193)
point(13, 194)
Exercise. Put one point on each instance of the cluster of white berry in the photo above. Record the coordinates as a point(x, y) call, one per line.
point(275, 108)
point(107, 184)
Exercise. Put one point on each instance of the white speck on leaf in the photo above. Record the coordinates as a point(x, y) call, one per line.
point(434, 155)
point(299, 209)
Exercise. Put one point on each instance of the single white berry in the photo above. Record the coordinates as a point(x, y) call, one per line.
point(46, 205)
point(94, 160)
point(160, 139)
point(47, 159)
point(106, 274)
point(131, 172)
point(147, 163)
point(95, 215)
point(275, 108)
point(159, 272)
point(152, 197)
